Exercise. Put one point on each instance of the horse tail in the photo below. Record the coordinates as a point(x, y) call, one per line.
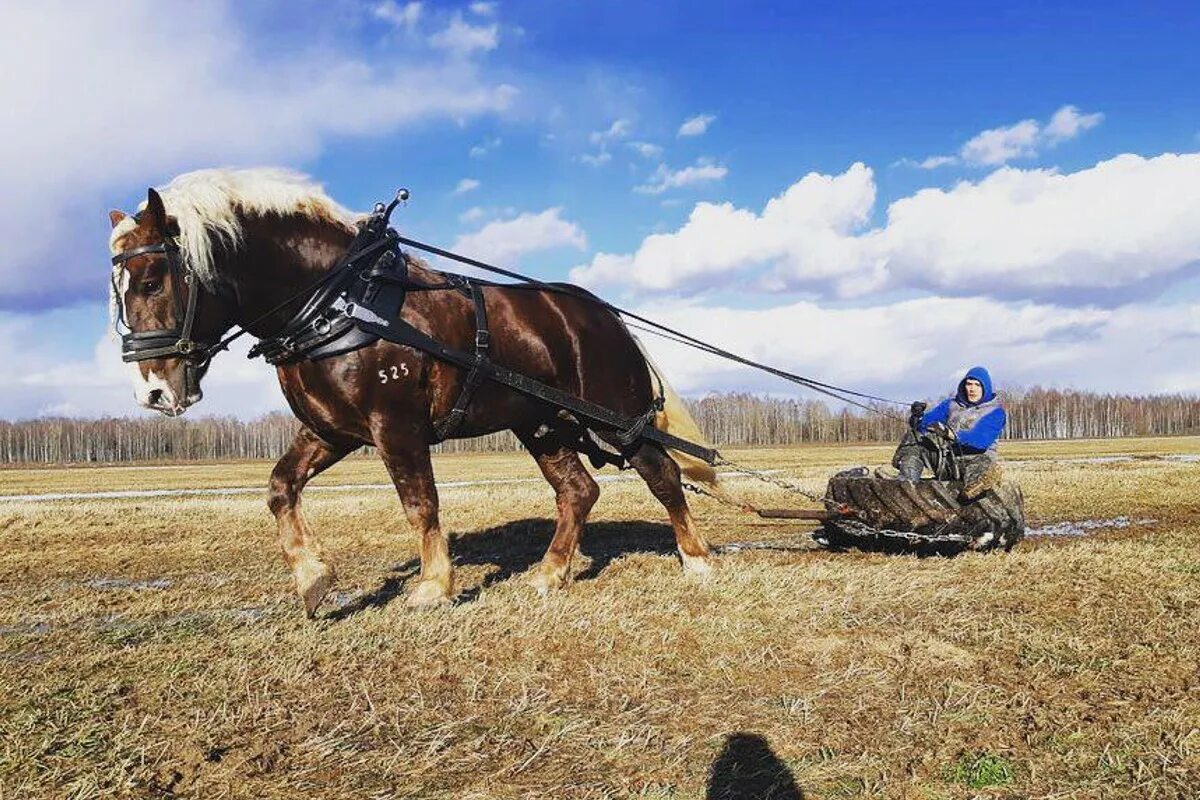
point(675, 418)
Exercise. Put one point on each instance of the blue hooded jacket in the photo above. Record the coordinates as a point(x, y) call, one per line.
point(977, 425)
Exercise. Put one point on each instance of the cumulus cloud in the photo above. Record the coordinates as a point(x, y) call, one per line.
point(462, 38)
point(696, 126)
point(1096, 235)
point(705, 170)
point(1024, 139)
point(505, 241)
point(41, 379)
point(466, 185)
point(919, 348)
point(149, 94)
point(1067, 123)
point(907, 349)
point(483, 9)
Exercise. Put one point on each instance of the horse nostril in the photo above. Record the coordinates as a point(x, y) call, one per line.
point(154, 396)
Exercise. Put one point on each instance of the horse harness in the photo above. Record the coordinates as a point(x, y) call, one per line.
point(358, 302)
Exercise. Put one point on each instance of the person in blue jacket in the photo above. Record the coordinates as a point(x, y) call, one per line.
point(964, 427)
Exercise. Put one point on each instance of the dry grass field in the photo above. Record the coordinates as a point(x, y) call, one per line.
point(152, 646)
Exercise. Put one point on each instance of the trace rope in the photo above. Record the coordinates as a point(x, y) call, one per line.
point(658, 329)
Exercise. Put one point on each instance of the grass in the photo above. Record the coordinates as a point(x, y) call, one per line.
point(153, 648)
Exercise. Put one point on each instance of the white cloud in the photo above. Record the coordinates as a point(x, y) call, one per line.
point(483, 9)
point(505, 241)
point(404, 16)
point(697, 125)
point(1001, 145)
point(466, 185)
point(463, 38)
point(483, 148)
point(596, 160)
point(933, 162)
point(1025, 139)
point(646, 149)
point(473, 214)
point(704, 170)
point(1067, 123)
point(618, 130)
point(1094, 234)
point(42, 380)
point(918, 348)
point(913, 348)
point(149, 94)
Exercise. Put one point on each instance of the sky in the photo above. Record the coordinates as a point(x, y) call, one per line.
point(873, 194)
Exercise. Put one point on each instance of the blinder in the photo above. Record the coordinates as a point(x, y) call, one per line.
point(163, 342)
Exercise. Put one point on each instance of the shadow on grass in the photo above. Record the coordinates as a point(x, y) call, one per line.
point(515, 547)
point(748, 769)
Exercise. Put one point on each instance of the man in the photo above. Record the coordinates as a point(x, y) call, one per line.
point(957, 438)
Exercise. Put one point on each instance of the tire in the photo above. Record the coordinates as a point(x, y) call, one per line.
point(934, 512)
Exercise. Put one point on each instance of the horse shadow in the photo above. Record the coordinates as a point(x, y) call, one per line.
point(514, 548)
point(748, 769)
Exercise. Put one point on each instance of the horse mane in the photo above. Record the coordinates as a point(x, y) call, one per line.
point(211, 204)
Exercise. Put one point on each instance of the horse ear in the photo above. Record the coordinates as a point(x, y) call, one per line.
point(116, 217)
point(158, 212)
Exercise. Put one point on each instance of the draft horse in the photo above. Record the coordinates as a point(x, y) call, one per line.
point(219, 248)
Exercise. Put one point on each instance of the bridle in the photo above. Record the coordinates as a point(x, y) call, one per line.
point(163, 342)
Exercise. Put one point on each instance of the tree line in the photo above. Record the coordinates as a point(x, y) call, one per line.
point(737, 419)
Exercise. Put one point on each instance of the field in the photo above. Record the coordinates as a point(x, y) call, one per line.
point(151, 646)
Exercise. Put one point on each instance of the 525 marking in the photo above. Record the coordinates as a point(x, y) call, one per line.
point(395, 373)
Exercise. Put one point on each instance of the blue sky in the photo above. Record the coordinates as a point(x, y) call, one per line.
point(1056, 238)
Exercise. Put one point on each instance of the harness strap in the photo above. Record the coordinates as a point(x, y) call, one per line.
point(446, 427)
point(401, 332)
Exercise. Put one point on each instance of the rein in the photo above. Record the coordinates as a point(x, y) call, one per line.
point(326, 314)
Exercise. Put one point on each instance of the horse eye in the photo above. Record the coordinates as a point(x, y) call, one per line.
point(150, 287)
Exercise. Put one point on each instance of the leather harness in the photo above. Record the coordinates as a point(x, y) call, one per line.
point(359, 301)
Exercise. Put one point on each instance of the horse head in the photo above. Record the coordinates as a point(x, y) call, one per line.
point(170, 321)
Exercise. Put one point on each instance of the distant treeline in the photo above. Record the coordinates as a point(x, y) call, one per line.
point(725, 419)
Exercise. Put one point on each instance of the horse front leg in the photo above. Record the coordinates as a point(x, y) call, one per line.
point(308, 456)
point(411, 469)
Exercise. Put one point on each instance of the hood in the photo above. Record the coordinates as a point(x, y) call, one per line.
point(980, 374)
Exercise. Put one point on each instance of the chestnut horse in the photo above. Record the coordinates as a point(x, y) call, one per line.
point(250, 239)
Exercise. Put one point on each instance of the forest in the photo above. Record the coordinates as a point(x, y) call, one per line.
point(727, 419)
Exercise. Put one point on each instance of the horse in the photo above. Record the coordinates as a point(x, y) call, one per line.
point(214, 249)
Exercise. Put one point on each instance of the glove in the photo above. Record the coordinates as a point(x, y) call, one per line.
point(940, 429)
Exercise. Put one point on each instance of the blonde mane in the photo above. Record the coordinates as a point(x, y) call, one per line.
point(210, 205)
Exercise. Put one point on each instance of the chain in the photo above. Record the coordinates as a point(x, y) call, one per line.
point(722, 461)
point(859, 529)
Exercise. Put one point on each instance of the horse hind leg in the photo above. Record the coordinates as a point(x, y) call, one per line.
point(308, 456)
point(575, 493)
point(662, 476)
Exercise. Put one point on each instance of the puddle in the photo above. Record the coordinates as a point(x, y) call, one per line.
point(1187, 458)
point(1086, 527)
point(128, 583)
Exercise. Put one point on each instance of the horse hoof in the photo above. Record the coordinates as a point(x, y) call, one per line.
point(314, 584)
point(696, 565)
point(545, 581)
point(428, 594)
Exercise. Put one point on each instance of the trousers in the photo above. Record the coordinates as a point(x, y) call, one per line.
point(914, 456)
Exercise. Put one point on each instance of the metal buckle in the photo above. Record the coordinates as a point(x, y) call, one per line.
point(321, 326)
point(185, 346)
point(482, 340)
